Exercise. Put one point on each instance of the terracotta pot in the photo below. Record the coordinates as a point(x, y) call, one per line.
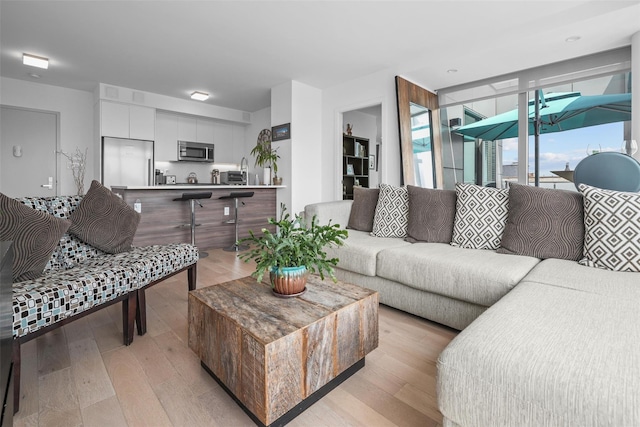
point(288, 280)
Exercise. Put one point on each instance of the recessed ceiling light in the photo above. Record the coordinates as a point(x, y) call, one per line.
point(199, 96)
point(572, 39)
point(35, 61)
point(452, 71)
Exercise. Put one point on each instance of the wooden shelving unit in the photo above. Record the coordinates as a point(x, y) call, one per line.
point(355, 164)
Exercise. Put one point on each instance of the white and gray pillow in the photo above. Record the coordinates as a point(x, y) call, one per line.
point(481, 216)
point(612, 229)
point(390, 218)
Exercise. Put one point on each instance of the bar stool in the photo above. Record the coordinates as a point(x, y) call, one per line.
point(237, 195)
point(194, 198)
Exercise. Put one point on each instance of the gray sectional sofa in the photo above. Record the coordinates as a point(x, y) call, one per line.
point(544, 341)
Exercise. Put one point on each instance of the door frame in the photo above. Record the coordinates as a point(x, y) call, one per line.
point(57, 167)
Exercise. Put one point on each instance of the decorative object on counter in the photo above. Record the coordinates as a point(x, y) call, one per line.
point(293, 245)
point(266, 157)
point(277, 180)
point(281, 132)
point(77, 164)
point(192, 178)
point(349, 129)
point(215, 176)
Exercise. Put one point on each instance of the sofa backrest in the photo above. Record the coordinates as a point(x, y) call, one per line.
point(70, 250)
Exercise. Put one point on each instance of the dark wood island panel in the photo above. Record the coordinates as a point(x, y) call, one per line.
point(166, 221)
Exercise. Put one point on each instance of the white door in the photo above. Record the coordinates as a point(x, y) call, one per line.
point(28, 142)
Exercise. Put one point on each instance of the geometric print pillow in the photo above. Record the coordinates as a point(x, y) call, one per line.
point(392, 210)
point(612, 229)
point(481, 216)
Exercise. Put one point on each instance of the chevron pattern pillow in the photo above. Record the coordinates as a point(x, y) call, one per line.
point(390, 218)
point(481, 216)
point(612, 229)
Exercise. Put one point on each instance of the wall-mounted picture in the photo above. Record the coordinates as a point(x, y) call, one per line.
point(372, 161)
point(281, 132)
point(350, 170)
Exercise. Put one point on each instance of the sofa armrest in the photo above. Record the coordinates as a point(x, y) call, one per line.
point(338, 212)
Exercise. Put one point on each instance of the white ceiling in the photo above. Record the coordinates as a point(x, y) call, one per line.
point(238, 50)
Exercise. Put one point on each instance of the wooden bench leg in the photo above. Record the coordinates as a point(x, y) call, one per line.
point(129, 307)
point(192, 273)
point(16, 375)
point(141, 312)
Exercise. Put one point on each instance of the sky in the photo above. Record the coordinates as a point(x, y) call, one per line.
point(556, 149)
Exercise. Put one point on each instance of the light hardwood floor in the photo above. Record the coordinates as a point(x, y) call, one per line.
point(82, 374)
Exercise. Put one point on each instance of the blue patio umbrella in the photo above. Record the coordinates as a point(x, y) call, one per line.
point(558, 112)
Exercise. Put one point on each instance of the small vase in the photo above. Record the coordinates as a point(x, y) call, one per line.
point(288, 281)
point(266, 176)
point(277, 180)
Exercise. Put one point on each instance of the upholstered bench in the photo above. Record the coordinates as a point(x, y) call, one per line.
point(78, 279)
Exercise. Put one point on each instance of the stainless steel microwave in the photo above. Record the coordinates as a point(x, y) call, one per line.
point(189, 151)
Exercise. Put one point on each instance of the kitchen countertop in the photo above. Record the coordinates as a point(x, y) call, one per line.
point(194, 187)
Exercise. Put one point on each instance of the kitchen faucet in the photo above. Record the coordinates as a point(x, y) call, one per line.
point(244, 168)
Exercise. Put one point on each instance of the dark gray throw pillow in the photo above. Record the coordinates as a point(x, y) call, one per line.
point(363, 208)
point(431, 215)
point(544, 223)
point(104, 220)
point(35, 235)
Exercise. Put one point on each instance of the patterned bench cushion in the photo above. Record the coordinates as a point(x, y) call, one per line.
point(64, 293)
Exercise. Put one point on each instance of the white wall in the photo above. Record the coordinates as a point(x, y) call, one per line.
point(377, 88)
point(281, 98)
point(76, 125)
point(260, 119)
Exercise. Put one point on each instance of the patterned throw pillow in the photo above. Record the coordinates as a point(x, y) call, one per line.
point(612, 229)
point(104, 220)
point(390, 218)
point(431, 215)
point(481, 215)
point(363, 208)
point(544, 223)
point(35, 234)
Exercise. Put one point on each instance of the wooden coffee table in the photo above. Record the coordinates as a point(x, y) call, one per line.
point(278, 356)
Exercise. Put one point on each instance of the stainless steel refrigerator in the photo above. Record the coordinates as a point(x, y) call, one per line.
point(127, 162)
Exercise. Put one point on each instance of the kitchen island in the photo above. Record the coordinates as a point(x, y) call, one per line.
point(164, 220)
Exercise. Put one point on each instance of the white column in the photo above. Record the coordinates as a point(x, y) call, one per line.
point(635, 85)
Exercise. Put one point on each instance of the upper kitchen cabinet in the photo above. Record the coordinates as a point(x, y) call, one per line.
point(166, 146)
point(223, 140)
point(127, 121)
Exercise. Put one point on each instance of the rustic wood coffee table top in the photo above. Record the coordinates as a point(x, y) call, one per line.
point(273, 353)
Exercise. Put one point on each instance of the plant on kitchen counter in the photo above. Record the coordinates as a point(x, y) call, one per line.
point(293, 245)
point(266, 157)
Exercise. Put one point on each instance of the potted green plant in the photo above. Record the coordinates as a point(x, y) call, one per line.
point(266, 158)
point(293, 251)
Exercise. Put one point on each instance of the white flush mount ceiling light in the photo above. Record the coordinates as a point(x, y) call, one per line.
point(35, 61)
point(199, 96)
point(572, 39)
point(452, 70)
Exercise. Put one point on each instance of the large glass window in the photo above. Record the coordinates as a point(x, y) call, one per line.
point(489, 152)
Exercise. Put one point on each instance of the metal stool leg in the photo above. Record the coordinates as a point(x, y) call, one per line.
point(236, 247)
point(202, 254)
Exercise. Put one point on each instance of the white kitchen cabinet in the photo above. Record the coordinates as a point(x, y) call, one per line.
point(142, 122)
point(120, 120)
point(205, 130)
point(187, 128)
point(223, 139)
point(166, 146)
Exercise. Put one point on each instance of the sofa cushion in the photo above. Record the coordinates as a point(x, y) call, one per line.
point(104, 220)
point(612, 229)
point(35, 235)
point(544, 223)
point(481, 215)
point(475, 276)
point(390, 219)
point(364, 205)
point(359, 252)
point(546, 355)
point(431, 215)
